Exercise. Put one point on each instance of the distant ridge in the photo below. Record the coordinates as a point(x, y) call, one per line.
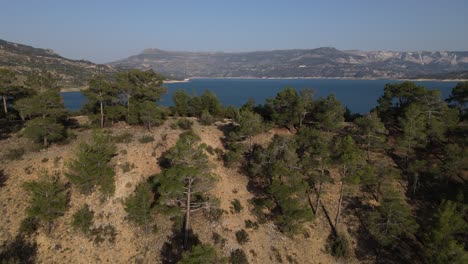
point(73, 73)
point(297, 63)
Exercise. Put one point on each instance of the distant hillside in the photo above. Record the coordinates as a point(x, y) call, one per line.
point(321, 62)
point(459, 75)
point(24, 59)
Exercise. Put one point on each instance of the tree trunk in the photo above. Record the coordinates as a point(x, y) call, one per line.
point(317, 203)
point(5, 108)
point(102, 114)
point(338, 213)
point(187, 215)
point(128, 108)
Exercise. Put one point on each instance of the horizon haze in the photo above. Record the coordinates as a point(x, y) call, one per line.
point(107, 31)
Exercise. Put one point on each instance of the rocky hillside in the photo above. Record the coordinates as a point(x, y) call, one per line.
point(321, 62)
point(24, 59)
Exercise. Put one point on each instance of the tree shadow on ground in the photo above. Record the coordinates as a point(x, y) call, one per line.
point(172, 250)
point(3, 178)
point(19, 251)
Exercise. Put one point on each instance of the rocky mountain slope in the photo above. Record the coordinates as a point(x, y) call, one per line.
point(321, 62)
point(25, 59)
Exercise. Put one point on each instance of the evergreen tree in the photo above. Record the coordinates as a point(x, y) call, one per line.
point(349, 159)
point(200, 254)
point(414, 129)
point(7, 88)
point(48, 200)
point(91, 166)
point(459, 97)
point(150, 114)
point(210, 103)
point(441, 242)
point(250, 124)
point(100, 93)
point(314, 152)
point(83, 219)
point(391, 220)
point(288, 108)
point(137, 86)
point(139, 206)
point(44, 111)
point(395, 100)
point(185, 184)
point(371, 132)
point(277, 170)
point(181, 103)
point(328, 113)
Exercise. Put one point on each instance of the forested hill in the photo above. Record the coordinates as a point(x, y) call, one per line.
point(321, 62)
point(25, 59)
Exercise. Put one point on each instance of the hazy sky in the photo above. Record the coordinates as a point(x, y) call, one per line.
point(105, 30)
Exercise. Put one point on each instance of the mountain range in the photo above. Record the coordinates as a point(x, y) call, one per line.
point(320, 62)
point(298, 63)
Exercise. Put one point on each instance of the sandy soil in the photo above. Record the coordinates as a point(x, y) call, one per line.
point(65, 245)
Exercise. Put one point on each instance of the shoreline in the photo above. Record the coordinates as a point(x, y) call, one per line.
point(79, 89)
point(332, 78)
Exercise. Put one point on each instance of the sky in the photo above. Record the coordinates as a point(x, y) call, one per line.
point(108, 30)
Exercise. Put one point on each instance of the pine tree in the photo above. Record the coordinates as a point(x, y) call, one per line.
point(328, 113)
point(7, 89)
point(137, 86)
point(100, 93)
point(391, 220)
point(350, 159)
point(91, 166)
point(150, 114)
point(459, 97)
point(314, 152)
point(442, 245)
point(371, 131)
point(277, 170)
point(414, 130)
point(48, 200)
point(181, 103)
point(139, 206)
point(44, 110)
point(250, 124)
point(185, 184)
point(200, 254)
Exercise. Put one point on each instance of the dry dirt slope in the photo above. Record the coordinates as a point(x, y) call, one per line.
point(64, 245)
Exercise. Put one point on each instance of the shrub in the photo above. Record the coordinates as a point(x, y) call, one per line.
point(214, 214)
point(123, 138)
point(338, 246)
point(242, 237)
point(251, 224)
point(146, 139)
point(29, 225)
point(185, 123)
point(126, 167)
point(236, 206)
point(210, 150)
point(206, 118)
point(238, 257)
point(103, 233)
point(218, 239)
point(15, 154)
point(83, 219)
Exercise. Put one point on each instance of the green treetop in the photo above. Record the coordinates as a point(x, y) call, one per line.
point(91, 166)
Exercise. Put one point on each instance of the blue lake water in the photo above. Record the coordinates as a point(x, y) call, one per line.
point(359, 96)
